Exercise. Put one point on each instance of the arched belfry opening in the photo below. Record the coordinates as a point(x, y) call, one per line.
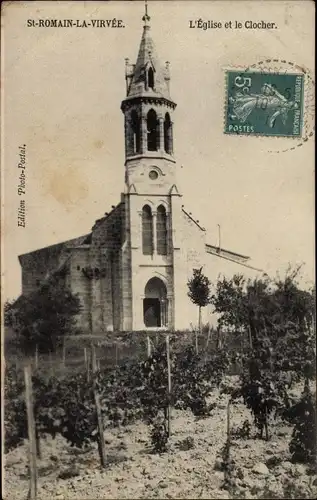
point(168, 139)
point(155, 304)
point(150, 79)
point(136, 132)
point(152, 131)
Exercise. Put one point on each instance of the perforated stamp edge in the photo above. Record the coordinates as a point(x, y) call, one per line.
point(277, 66)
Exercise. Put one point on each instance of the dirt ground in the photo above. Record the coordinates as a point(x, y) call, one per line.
point(262, 469)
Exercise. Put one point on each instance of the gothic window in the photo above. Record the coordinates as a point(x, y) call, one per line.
point(150, 79)
point(135, 124)
point(167, 134)
point(147, 230)
point(161, 231)
point(152, 131)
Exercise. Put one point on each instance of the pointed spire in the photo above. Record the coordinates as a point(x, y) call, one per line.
point(147, 77)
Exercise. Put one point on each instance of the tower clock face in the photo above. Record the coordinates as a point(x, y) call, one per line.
point(153, 175)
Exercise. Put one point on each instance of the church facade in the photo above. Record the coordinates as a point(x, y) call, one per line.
point(131, 270)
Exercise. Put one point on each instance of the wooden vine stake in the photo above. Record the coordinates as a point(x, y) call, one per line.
point(228, 422)
point(196, 339)
point(148, 346)
point(227, 458)
point(36, 356)
point(64, 353)
point(169, 382)
point(86, 354)
point(266, 425)
point(207, 343)
point(101, 439)
point(31, 432)
point(38, 443)
point(219, 343)
point(51, 363)
point(250, 338)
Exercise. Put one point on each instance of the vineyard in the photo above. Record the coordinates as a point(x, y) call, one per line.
point(175, 424)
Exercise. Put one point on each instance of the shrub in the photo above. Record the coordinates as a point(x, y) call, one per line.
point(44, 317)
point(303, 443)
point(15, 421)
point(159, 436)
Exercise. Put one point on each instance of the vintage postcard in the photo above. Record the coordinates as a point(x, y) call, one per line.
point(157, 169)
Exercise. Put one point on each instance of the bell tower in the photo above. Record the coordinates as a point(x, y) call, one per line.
point(152, 200)
point(148, 113)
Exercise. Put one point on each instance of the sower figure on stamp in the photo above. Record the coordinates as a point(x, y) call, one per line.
point(269, 99)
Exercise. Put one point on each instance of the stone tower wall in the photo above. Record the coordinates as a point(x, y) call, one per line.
point(105, 255)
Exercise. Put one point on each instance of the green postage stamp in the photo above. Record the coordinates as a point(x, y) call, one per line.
point(266, 104)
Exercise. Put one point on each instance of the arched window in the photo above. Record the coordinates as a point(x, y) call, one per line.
point(152, 131)
point(135, 125)
point(168, 134)
point(161, 231)
point(150, 78)
point(147, 230)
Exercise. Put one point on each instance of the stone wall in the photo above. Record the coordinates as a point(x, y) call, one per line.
point(79, 283)
point(37, 266)
point(105, 255)
point(189, 254)
point(126, 267)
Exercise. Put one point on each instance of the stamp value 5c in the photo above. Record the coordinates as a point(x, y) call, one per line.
point(266, 104)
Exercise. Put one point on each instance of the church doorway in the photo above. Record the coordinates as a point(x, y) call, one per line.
point(155, 304)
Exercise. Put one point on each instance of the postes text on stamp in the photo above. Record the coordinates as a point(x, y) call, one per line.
point(266, 104)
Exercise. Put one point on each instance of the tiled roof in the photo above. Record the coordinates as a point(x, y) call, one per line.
point(232, 256)
point(226, 253)
point(58, 251)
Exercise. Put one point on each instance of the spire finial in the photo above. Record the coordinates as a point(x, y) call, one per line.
point(146, 18)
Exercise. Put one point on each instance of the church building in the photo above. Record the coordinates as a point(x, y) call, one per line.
point(131, 270)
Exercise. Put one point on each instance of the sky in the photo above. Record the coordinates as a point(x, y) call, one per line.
point(62, 90)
